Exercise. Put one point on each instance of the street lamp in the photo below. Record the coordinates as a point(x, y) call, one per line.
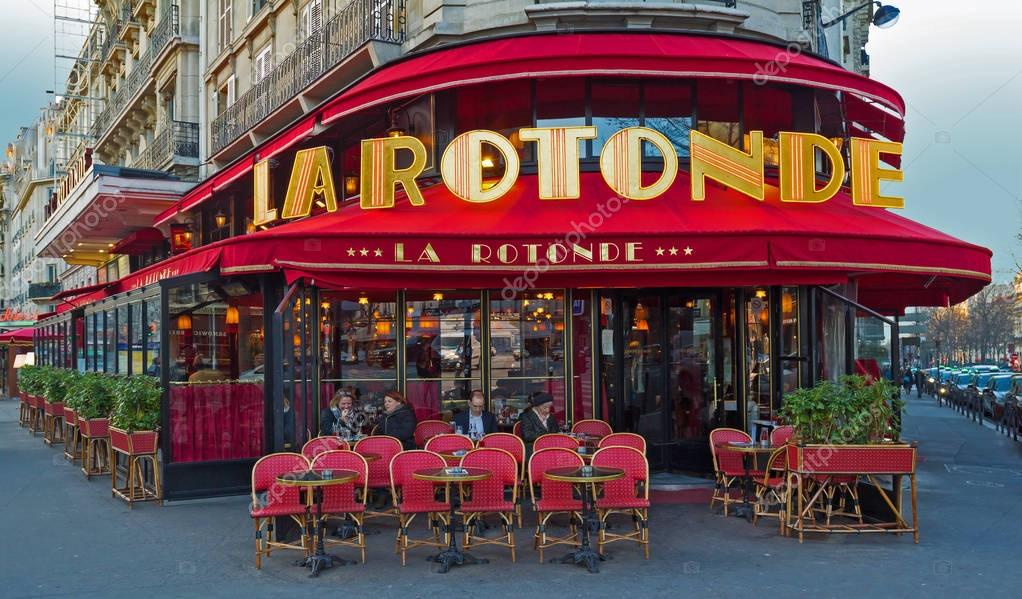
point(884, 17)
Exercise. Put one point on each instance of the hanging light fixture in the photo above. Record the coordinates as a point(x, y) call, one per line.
point(232, 316)
point(184, 322)
point(438, 297)
point(350, 185)
point(363, 300)
point(220, 219)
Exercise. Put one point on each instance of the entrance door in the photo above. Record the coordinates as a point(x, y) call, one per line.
point(668, 373)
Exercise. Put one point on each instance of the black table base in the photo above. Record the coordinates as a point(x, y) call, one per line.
point(586, 554)
point(452, 555)
point(321, 560)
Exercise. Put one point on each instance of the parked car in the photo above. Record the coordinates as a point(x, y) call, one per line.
point(944, 385)
point(995, 391)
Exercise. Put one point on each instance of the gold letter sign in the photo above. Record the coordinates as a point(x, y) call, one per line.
point(262, 214)
point(310, 177)
point(621, 163)
point(798, 168)
point(867, 174)
point(462, 166)
point(557, 164)
point(718, 161)
point(380, 176)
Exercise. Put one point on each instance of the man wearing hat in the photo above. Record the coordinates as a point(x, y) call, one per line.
point(539, 420)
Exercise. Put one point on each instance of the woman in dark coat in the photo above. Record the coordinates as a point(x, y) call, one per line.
point(538, 421)
point(398, 419)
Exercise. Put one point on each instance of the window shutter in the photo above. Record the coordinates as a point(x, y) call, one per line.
point(231, 90)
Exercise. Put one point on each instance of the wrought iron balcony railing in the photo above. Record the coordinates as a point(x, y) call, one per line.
point(179, 140)
point(168, 28)
point(359, 22)
point(42, 291)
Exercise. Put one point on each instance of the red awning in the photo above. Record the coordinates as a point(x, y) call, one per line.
point(728, 239)
point(67, 293)
point(606, 55)
point(139, 242)
point(198, 260)
point(18, 336)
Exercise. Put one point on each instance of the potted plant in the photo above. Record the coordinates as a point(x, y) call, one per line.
point(72, 440)
point(844, 433)
point(136, 415)
point(29, 380)
point(55, 384)
point(94, 400)
point(133, 434)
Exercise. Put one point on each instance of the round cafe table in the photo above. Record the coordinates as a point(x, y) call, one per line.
point(586, 480)
point(312, 483)
point(452, 555)
point(749, 451)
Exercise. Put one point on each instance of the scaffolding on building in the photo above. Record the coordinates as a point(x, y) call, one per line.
point(79, 41)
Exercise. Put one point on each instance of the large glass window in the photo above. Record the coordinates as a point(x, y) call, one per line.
point(717, 110)
point(216, 396)
point(668, 109)
point(91, 349)
point(138, 325)
point(560, 102)
point(123, 345)
point(791, 365)
point(503, 107)
point(582, 355)
point(527, 351)
point(360, 336)
point(443, 340)
point(757, 354)
point(152, 340)
point(110, 341)
point(615, 106)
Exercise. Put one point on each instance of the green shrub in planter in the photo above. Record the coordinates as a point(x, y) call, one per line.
point(57, 382)
point(30, 379)
point(137, 403)
point(852, 411)
point(93, 395)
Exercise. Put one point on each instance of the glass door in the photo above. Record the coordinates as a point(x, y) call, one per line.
point(644, 410)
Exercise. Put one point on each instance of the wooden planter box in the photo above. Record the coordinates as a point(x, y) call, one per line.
point(95, 433)
point(812, 469)
point(141, 472)
point(53, 422)
point(36, 414)
point(72, 440)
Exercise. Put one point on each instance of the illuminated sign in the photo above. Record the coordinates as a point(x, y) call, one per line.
point(467, 163)
point(76, 171)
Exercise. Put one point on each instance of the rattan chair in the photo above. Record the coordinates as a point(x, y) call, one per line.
point(624, 440)
point(427, 429)
point(347, 500)
point(553, 497)
point(727, 465)
point(271, 500)
point(314, 447)
point(628, 495)
point(488, 496)
point(413, 497)
point(514, 445)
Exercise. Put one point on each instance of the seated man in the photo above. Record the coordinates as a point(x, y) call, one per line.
point(538, 421)
point(476, 422)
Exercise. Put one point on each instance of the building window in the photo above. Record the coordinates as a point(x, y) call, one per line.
point(51, 273)
point(312, 18)
point(225, 24)
point(226, 94)
point(263, 64)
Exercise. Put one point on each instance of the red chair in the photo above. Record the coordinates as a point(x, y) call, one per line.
point(624, 440)
point(780, 435)
point(427, 429)
point(727, 465)
point(516, 430)
point(272, 500)
point(413, 497)
point(379, 469)
point(627, 495)
point(488, 496)
point(314, 447)
point(448, 444)
point(554, 496)
point(516, 447)
point(555, 440)
point(349, 499)
point(592, 427)
point(771, 488)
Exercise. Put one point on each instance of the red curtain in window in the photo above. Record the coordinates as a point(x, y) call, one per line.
point(218, 421)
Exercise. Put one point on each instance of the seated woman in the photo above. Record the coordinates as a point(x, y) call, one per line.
point(398, 419)
point(538, 421)
point(341, 418)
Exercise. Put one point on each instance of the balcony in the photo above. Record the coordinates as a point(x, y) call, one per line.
point(143, 10)
point(712, 16)
point(180, 140)
point(128, 32)
point(41, 293)
point(360, 22)
point(168, 28)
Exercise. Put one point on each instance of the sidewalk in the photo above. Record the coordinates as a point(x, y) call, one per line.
point(67, 537)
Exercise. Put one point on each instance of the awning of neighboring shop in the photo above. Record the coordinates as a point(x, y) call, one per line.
point(141, 241)
point(69, 293)
point(17, 336)
point(728, 239)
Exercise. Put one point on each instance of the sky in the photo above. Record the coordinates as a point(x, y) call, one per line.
point(956, 63)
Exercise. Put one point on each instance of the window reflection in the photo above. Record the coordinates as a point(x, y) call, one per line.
point(668, 109)
point(527, 351)
point(717, 110)
point(615, 106)
point(757, 354)
point(360, 346)
point(560, 103)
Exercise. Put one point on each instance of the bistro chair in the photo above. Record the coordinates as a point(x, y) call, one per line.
point(516, 430)
point(627, 495)
point(379, 469)
point(413, 497)
point(271, 500)
point(771, 488)
point(489, 496)
point(314, 447)
point(624, 440)
point(728, 466)
point(592, 427)
point(555, 440)
point(347, 500)
point(446, 444)
point(550, 497)
point(516, 447)
point(780, 435)
point(428, 429)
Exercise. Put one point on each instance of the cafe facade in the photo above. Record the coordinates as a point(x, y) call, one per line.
point(665, 231)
